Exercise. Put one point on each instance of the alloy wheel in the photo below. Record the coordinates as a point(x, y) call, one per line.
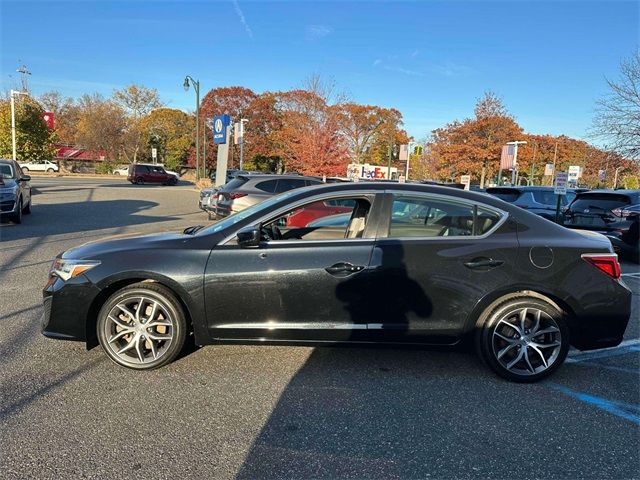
point(139, 330)
point(526, 341)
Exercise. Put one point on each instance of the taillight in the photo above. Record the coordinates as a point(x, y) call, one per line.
point(236, 195)
point(624, 212)
point(605, 262)
point(618, 212)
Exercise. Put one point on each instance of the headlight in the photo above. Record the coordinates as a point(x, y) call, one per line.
point(68, 268)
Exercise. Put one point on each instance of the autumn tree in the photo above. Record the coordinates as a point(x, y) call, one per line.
point(617, 120)
point(473, 146)
point(136, 102)
point(66, 114)
point(101, 125)
point(310, 140)
point(171, 132)
point(34, 140)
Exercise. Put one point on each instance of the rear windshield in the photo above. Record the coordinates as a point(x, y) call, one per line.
point(236, 183)
point(546, 197)
point(506, 194)
point(604, 201)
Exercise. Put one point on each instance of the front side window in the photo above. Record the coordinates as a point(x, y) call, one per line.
point(320, 220)
point(5, 170)
point(435, 217)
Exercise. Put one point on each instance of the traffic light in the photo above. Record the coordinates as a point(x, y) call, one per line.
point(417, 150)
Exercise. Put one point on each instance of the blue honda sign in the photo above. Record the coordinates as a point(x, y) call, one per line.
point(220, 125)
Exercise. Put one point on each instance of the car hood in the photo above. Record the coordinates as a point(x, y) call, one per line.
point(9, 184)
point(121, 243)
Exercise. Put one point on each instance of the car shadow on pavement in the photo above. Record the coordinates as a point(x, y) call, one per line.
point(64, 218)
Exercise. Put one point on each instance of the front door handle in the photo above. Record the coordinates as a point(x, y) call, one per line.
point(343, 269)
point(483, 263)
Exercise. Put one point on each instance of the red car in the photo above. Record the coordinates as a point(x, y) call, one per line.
point(303, 216)
point(141, 173)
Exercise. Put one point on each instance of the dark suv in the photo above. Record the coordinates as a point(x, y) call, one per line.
point(141, 173)
point(539, 200)
point(246, 190)
point(614, 213)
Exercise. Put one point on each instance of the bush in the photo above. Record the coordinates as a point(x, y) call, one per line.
point(105, 167)
point(630, 182)
point(204, 183)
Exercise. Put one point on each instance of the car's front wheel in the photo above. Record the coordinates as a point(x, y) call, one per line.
point(50, 170)
point(524, 339)
point(142, 326)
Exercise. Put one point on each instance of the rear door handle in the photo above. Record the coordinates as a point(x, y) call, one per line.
point(343, 269)
point(483, 263)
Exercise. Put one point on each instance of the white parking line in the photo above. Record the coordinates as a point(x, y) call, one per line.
point(634, 275)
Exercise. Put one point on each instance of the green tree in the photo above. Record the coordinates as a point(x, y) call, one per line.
point(34, 141)
point(171, 132)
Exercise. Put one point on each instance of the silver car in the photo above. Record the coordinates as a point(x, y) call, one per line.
point(246, 190)
point(15, 191)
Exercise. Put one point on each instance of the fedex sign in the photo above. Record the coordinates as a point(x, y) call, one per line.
point(370, 172)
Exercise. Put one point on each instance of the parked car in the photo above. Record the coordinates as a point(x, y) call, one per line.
point(614, 213)
point(39, 166)
point(207, 201)
point(121, 170)
point(471, 266)
point(322, 209)
point(15, 191)
point(246, 190)
point(140, 173)
point(539, 200)
point(231, 174)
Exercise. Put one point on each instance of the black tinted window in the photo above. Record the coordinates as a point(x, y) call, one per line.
point(235, 183)
point(599, 201)
point(267, 186)
point(506, 194)
point(429, 217)
point(285, 184)
point(142, 169)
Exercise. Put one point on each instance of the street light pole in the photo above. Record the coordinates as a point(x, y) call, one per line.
point(514, 174)
point(242, 122)
point(196, 87)
point(13, 121)
point(615, 178)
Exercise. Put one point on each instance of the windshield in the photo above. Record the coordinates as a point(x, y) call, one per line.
point(6, 171)
point(252, 210)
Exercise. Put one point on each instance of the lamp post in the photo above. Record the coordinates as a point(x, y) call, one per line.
point(242, 122)
point(196, 87)
point(514, 174)
point(13, 121)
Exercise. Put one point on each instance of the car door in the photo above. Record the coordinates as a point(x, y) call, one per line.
point(300, 287)
point(435, 258)
point(25, 186)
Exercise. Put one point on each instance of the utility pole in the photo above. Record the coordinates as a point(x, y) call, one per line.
point(615, 178)
point(241, 123)
point(23, 71)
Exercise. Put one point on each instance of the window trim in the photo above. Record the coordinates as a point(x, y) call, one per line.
point(385, 225)
point(315, 198)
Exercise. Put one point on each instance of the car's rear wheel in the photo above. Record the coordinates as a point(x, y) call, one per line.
point(142, 326)
point(524, 339)
point(139, 181)
point(50, 170)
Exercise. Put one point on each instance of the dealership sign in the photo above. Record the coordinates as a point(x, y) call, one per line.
point(220, 125)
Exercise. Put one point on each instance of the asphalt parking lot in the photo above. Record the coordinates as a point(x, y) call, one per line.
point(274, 412)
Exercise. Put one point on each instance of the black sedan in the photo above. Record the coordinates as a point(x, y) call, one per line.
point(414, 264)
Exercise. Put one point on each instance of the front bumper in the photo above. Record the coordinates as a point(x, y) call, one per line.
point(67, 307)
point(8, 204)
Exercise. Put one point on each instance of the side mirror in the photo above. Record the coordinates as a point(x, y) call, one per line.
point(25, 178)
point(249, 237)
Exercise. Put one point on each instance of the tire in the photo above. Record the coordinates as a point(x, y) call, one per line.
point(523, 357)
point(27, 210)
point(50, 170)
point(127, 341)
point(25, 170)
point(139, 181)
point(116, 173)
point(173, 181)
point(17, 217)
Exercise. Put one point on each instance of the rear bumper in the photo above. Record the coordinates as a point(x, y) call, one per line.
point(604, 322)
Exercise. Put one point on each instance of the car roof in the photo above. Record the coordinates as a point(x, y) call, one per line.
point(270, 176)
point(5, 160)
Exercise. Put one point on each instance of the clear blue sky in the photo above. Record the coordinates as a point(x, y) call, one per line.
point(431, 60)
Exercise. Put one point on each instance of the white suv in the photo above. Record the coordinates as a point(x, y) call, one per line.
point(39, 166)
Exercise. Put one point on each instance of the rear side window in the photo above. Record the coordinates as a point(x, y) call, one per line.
point(286, 184)
point(430, 217)
point(602, 201)
point(506, 194)
point(268, 186)
point(546, 197)
point(142, 169)
point(235, 183)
